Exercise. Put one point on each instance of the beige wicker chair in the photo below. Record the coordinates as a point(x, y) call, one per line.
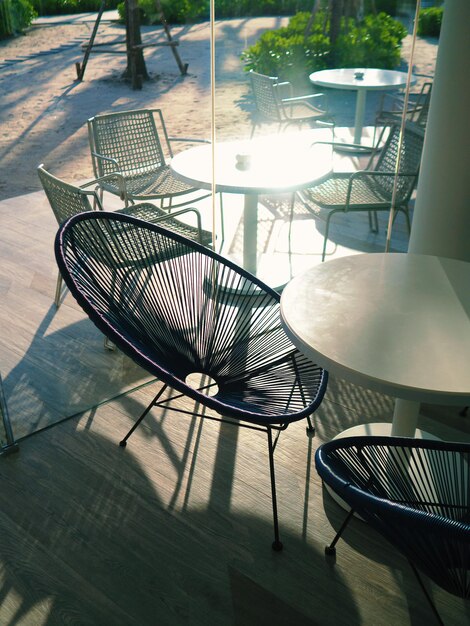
point(371, 189)
point(392, 107)
point(67, 200)
point(129, 143)
point(276, 103)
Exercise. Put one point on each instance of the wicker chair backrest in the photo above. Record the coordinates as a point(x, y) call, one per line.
point(410, 147)
point(130, 138)
point(65, 200)
point(264, 91)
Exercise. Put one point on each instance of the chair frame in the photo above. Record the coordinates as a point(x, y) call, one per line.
point(391, 108)
point(370, 172)
point(104, 165)
point(274, 105)
point(419, 510)
point(71, 259)
point(89, 200)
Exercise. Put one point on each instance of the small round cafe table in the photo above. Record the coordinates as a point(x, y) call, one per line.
point(395, 323)
point(362, 80)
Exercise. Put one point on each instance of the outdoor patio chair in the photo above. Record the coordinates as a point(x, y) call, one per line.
point(392, 106)
point(129, 143)
point(415, 492)
point(276, 103)
point(67, 200)
point(371, 189)
point(193, 314)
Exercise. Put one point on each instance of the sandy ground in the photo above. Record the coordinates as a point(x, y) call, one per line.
point(43, 108)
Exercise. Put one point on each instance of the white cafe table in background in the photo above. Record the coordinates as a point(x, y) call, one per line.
point(397, 323)
point(274, 164)
point(362, 80)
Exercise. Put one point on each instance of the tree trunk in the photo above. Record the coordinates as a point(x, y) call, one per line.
point(136, 69)
point(335, 20)
point(316, 6)
point(335, 27)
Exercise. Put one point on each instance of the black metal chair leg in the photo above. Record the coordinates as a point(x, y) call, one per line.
point(310, 428)
point(277, 544)
point(431, 603)
point(123, 442)
point(330, 550)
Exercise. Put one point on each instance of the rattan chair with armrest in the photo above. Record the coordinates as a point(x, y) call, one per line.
point(392, 108)
point(414, 492)
point(188, 313)
point(133, 145)
point(276, 103)
point(371, 189)
point(67, 200)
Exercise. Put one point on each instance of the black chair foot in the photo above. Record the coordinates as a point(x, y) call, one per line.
point(329, 551)
point(277, 546)
point(123, 443)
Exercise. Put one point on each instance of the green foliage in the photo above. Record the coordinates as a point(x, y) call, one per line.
point(375, 42)
point(15, 16)
point(429, 22)
point(251, 8)
point(64, 7)
point(175, 11)
point(286, 50)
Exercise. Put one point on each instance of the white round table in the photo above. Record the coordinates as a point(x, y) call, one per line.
point(398, 324)
point(273, 165)
point(362, 80)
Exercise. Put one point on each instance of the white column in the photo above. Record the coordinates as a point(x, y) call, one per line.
point(441, 221)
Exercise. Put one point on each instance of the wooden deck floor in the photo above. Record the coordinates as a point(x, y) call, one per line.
point(176, 528)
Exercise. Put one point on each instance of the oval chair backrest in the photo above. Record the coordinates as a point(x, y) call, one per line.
point(177, 306)
point(65, 200)
point(415, 492)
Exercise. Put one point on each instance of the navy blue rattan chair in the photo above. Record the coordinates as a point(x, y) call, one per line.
point(415, 492)
point(179, 309)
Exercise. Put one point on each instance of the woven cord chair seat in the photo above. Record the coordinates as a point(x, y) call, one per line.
point(332, 193)
point(151, 213)
point(151, 184)
point(416, 493)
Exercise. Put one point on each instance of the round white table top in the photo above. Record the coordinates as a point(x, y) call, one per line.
point(395, 323)
point(347, 78)
point(274, 164)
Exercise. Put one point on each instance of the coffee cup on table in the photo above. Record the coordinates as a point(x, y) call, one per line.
point(243, 161)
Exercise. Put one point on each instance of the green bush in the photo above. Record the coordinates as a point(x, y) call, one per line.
point(251, 8)
point(376, 42)
point(175, 11)
point(64, 7)
point(429, 22)
point(287, 52)
point(15, 16)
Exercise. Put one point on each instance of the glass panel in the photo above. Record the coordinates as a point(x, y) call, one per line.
point(364, 74)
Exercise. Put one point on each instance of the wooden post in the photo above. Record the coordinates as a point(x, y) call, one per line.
point(136, 69)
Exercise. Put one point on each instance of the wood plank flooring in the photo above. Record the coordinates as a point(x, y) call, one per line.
point(177, 527)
